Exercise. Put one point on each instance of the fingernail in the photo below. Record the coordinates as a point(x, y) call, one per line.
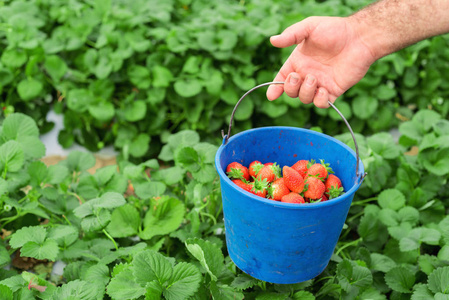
point(275, 36)
point(321, 91)
point(310, 80)
point(294, 79)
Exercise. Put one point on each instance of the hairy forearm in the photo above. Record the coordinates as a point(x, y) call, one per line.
point(387, 26)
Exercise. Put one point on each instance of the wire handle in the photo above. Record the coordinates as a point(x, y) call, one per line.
point(227, 136)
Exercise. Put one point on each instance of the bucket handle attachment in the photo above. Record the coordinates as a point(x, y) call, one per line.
point(227, 136)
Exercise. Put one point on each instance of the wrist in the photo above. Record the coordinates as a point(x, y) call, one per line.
point(370, 36)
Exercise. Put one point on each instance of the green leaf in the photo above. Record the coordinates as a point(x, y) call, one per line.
point(139, 76)
point(225, 292)
point(208, 254)
point(435, 161)
point(408, 244)
point(421, 292)
point(97, 222)
point(46, 250)
point(103, 111)
point(188, 158)
point(162, 77)
point(32, 146)
point(14, 58)
point(389, 217)
point(79, 161)
point(64, 235)
point(150, 189)
point(164, 216)
point(140, 145)
point(364, 106)
point(400, 279)
point(19, 125)
point(135, 111)
point(76, 289)
point(350, 275)
point(97, 273)
point(150, 265)
point(29, 89)
point(303, 295)
point(55, 66)
point(5, 293)
point(184, 282)
point(391, 198)
point(384, 145)
point(125, 221)
point(381, 262)
point(227, 40)
point(11, 156)
point(124, 286)
point(35, 234)
point(243, 282)
point(56, 174)
point(5, 258)
point(79, 100)
point(188, 88)
point(38, 172)
point(438, 281)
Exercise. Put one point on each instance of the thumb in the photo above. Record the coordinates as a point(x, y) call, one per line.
point(293, 35)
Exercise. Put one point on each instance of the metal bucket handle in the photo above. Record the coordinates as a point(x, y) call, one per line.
point(227, 136)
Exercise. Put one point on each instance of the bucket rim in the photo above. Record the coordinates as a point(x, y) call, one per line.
point(279, 204)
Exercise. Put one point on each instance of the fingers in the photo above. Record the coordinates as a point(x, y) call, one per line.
point(321, 98)
point(294, 34)
point(308, 89)
point(275, 90)
point(292, 85)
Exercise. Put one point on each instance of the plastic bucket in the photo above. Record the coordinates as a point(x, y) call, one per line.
point(283, 242)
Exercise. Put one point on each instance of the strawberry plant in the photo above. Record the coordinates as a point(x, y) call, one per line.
point(154, 229)
point(122, 73)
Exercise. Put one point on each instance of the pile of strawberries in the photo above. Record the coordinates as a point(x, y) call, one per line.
point(305, 181)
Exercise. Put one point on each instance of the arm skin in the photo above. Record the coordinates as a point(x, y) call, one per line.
point(334, 53)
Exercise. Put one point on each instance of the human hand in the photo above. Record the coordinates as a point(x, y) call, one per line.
point(329, 59)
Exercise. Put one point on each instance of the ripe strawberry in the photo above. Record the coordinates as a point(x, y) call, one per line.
point(301, 166)
point(242, 184)
point(293, 198)
point(259, 187)
point(333, 186)
point(321, 170)
point(278, 189)
point(269, 172)
point(269, 164)
point(314, 188)
point(293, 180)
point(236, 170)
point(254, 167)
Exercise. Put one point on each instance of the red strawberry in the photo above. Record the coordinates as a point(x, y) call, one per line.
point(259, 188)
point(269, 172)
point(293, 180)
point(293, 198)
point(269, 164)
point(254, 167)
point(314, 188)
point(301, 166)
point(333, 186)
point(242, 184)
point(320, 170)
point(236, 170)
point(278, 189)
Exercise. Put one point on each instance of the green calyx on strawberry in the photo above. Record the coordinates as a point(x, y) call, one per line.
point(333, 186)
point(259, 187)
point(254, 168)
point(236, 170)
point(269, 172)
point(321, 169)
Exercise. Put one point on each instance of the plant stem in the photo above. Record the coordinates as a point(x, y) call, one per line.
point(353, 243)
point(362, 202)
point(111, 238)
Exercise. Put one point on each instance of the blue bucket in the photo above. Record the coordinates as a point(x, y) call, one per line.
point(283, 242)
